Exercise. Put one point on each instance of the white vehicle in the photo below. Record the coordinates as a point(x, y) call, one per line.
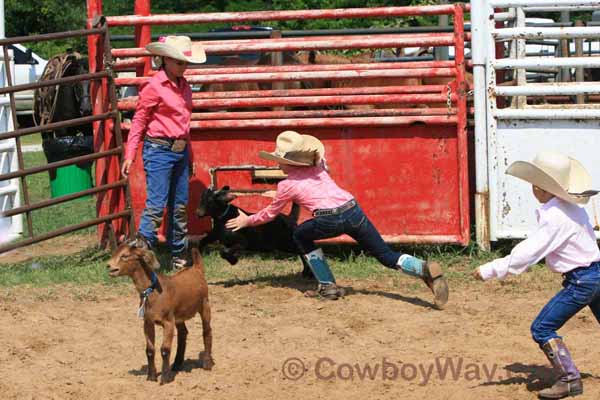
point(28, 67)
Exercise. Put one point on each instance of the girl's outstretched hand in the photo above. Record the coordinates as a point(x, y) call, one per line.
point(237, 223)
point(476, 274)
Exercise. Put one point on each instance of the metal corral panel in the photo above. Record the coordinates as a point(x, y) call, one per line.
point(394, 133)
point(405, 178)
point(512, 204)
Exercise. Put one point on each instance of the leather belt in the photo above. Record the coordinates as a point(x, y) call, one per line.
point(176, 145)
point(334, 211)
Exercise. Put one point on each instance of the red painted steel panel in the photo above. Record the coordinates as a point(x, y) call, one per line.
point(130, 104)
point(405, 178)
point(250, 46)
point(128, 20)
point(411, 178)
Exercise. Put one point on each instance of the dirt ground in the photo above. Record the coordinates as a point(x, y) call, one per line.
point(272, 343)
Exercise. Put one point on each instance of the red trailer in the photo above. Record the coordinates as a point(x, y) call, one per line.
point(404, 156)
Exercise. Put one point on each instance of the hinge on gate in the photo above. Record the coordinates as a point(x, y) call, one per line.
point(449, 97)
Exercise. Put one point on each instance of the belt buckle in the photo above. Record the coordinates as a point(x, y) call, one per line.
point(178, 145)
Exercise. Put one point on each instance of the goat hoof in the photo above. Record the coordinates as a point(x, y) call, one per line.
point(207, 364)
point(151, 378)
point(166, 378)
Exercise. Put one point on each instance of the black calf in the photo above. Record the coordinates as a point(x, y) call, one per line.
point(274, 235)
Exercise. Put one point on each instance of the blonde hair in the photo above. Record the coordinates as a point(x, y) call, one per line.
point(158, 61)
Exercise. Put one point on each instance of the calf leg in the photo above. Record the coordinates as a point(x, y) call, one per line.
point(149, 333)
point(228, 254)
point(165, 351)
point(181, 340)
point(207, 360)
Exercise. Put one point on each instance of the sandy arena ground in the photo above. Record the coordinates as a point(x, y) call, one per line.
point(88, 344)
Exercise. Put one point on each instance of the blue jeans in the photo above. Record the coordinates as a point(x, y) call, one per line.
point(581, 288)
point(167, 186)
point(352, 222)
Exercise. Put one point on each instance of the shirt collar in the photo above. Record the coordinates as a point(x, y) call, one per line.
point(303, 171)
point(162, 77)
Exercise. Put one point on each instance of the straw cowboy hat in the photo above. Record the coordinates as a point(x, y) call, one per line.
point(179, 48)
point(292, 148)
point(557, 174)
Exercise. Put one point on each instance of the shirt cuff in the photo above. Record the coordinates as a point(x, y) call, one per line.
point(487, 271)
point(252, 220)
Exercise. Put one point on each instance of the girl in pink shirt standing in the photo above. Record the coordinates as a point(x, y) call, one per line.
point(566, 239)
point(335, 212)
point(162, 118)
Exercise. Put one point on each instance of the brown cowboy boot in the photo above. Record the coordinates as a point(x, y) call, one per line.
point(569, 380)
point(431, 273)
point(434, 279)
point(326, 291)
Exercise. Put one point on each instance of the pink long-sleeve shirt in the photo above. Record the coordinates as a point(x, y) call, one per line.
point(164, 109)
point(309, 187)
point(564, 237)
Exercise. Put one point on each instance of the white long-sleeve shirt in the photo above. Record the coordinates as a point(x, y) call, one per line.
point(564, 237)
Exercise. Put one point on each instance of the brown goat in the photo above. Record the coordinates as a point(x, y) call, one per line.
point(167, 301)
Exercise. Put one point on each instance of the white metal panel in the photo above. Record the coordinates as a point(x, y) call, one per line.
point(10, 228)
point(521, 140)
point(572, 4)
point(546, 33)
point(519, 131)
point(552, 114)
point(533, 62)
point(548, 89)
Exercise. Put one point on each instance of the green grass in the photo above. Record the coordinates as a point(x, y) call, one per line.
point(35, 138)
point(57, 216)
point(88, 268)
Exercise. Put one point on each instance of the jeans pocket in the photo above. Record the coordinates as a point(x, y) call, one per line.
point(327, 226)
point(583, 291)
point(355, 218)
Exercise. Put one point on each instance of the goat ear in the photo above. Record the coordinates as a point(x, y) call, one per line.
point(225, 188)
point(151, 260)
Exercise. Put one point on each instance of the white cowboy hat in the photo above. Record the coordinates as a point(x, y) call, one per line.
point(292, 148)
point(557, 174)
point(179, 48)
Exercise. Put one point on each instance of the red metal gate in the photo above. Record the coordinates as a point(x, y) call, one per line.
point(406, 163)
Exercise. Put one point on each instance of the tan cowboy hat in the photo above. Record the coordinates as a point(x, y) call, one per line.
point(557, 174)
point(179, 48)
point(292, 148)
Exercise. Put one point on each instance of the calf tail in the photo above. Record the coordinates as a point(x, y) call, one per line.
point(197, 260)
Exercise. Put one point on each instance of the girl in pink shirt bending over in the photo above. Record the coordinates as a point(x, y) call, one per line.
point(335, 212)
point(566, 239)
point(162, 118)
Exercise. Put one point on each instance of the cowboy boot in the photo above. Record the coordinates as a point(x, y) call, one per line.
point(569, 381)
point(432, 275)
point(326, 287)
